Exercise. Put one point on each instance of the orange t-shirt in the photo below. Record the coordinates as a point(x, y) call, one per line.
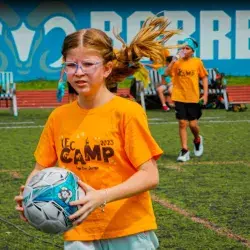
point(104, 146)
point(186, 74)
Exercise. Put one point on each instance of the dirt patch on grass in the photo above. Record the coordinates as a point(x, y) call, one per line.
point(175, 167)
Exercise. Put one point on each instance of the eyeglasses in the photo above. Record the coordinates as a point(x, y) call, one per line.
point(87, 67)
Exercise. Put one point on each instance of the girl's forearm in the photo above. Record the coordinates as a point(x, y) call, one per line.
point(141, 181)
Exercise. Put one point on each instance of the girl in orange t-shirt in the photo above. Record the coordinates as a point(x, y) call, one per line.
point(106, 141)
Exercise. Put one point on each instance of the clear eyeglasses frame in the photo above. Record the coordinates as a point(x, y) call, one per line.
point(87, 67)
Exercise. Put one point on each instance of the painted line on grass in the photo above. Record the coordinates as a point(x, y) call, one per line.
point(209, 121)
point(178, 166)
point(11, 171)
point(217, 163)
point(156, 119)
point(16, 123)
point(212, 117)
point(15, 127)
point(203, 118)
point(175, 167)
point(219, 230)
point(214, 163)
point(150, 123)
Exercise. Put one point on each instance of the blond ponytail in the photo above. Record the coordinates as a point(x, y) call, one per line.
point(149, 42)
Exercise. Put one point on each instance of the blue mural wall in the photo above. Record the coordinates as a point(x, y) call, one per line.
point(31, 34)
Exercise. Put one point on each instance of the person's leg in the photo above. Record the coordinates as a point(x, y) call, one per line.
point(183, 133)
point(194, 113)
point(194, 127)
point(184, 154)
point(170, 88)
point(168, 97)
point(181, 115)
point(160, 90)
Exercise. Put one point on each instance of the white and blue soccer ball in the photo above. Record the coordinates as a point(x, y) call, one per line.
point(46, 199)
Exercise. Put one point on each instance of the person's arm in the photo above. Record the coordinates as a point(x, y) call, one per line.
point(205, 89)
point(203, 75)
point(146, 178)
point(168, 71)
point(19, 198)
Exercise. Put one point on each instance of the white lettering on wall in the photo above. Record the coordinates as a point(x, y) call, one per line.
point(113, 20)
point(242, 34)
point(134, 23)
point(209, 33)
point(187, 22)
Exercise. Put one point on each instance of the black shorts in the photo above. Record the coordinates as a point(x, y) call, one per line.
point(71, 89)
point(187, 111)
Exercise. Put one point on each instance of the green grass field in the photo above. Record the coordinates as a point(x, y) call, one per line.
point(201, 204)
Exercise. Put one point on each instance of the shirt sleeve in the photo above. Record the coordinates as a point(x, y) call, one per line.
point(45, 153)
point(140, 146)
point(202, 70)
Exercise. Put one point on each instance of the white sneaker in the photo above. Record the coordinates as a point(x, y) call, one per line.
point(183, 156)
point(198, 148)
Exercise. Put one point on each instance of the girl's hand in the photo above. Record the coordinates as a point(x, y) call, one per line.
point(203, 100)
point(92, 200)
point(18, 199)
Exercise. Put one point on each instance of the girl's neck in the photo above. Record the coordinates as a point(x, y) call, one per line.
point(187, 58)
point(93, 101)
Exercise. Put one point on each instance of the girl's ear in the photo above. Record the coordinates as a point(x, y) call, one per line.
point(107, 69)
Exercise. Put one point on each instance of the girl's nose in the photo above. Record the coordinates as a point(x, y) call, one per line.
point(79, 70)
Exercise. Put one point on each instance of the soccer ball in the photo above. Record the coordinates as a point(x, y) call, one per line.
point(46, 199)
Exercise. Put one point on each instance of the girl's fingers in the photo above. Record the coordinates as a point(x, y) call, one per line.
point(85, 186)
point(21, 211)
point(77, 202)
point(23, 218)
point(82, 217)
point(18, 208)
point(18, 198)
point(80, 212)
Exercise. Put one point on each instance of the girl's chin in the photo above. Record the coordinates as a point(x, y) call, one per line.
point(83, 91)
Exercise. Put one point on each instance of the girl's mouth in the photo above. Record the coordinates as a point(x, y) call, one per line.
point(81, 83)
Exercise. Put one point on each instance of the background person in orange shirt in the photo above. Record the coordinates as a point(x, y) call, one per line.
point(186, 72)
point(106, 141)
